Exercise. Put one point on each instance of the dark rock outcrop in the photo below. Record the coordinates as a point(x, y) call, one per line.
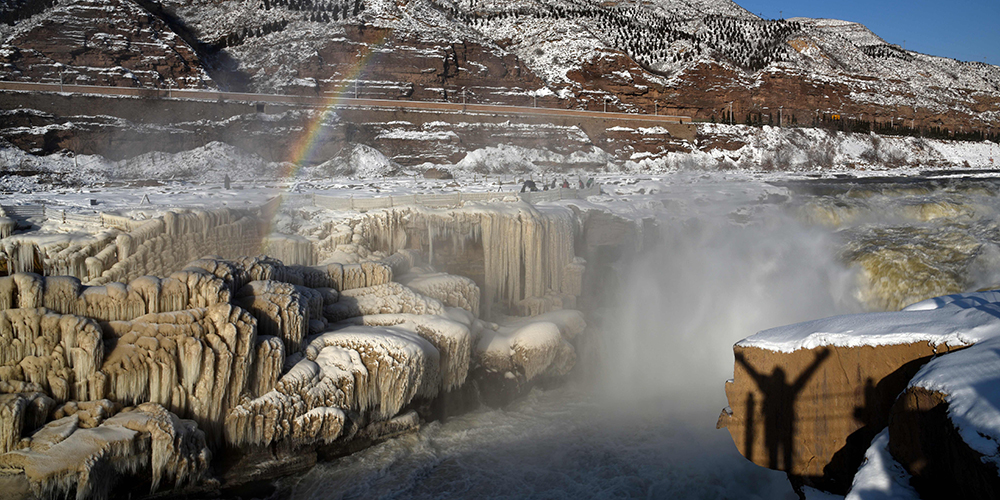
point(924, 440)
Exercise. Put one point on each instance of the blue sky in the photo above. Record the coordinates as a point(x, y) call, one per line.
point(962, 29)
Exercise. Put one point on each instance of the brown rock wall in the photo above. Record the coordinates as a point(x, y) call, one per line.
point(813, 412)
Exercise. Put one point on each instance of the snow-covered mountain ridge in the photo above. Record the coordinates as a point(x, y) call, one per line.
point(710, 59)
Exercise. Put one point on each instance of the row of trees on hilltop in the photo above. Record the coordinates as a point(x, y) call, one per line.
point(651, 38)
point(885, 51)
point(881, 127)
point(237, 38)
point(749, 43)
point(320, 11)
point(328, 9)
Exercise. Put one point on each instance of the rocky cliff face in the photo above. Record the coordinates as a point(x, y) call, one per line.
point(100, 42)
point(124, 128)
point(926, 442)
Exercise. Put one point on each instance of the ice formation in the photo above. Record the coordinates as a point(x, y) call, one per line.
point(57, 353)
point(451, 290)
point(157, 247)
point(290, 249)
point(63, 455)
point(113, 301)
point(7, 226)
point(280, 309)
point(381, 299)
point(304, 405)
point(527, 251)
point(223, 352)
point(21, 411)
point(451, 338)
point(532, 347)
point(195, 362)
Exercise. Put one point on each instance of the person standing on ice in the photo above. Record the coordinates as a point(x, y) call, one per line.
point(529, 185)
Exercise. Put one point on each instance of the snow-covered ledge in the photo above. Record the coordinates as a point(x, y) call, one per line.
point(809, 398)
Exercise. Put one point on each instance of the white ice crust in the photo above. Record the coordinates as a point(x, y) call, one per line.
point(954, 320)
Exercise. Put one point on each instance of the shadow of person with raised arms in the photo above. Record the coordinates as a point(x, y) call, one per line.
point(778, 408)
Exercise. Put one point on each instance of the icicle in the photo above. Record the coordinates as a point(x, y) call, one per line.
point(400, 365)
point(196, 362)
point(56, 352)
point(21, 413)
point(281, 310)
point(452, 339)
point(7, 226)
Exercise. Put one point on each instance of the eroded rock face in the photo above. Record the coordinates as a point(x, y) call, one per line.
point(944, 428)
point(813, 412)
point(924, 440)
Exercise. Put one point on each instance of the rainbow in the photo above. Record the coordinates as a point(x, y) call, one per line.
point(304, 150)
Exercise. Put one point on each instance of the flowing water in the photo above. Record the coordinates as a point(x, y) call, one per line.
point(638, 420)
